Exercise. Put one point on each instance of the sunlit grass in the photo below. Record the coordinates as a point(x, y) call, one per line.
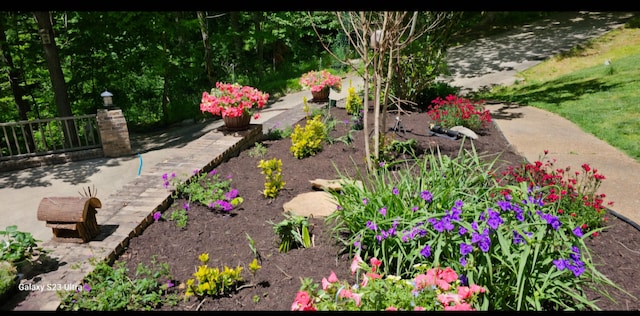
point(601, 98)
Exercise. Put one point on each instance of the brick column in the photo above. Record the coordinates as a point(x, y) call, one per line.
point(114, 133)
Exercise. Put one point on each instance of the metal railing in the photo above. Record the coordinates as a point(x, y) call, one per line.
point(48, 136)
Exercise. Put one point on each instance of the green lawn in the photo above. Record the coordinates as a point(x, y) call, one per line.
point(601, 98)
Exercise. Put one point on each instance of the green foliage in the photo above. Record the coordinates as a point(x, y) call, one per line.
point(308, 141)
point(293, 232)
point(211, 281)
point(109, 288)
point(258, 150)
point(272, 170)
point(8, 274)
point(17, 246)
point(207, 189)
point(180, 217)
point(275, 133)
point(451, 212)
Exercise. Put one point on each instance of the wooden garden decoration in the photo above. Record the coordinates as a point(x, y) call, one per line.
point(72, 219)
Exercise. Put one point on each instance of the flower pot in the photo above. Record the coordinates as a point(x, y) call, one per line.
point(239, 123)
point(321, 96)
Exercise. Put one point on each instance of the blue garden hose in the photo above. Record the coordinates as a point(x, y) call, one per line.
point(140, 168)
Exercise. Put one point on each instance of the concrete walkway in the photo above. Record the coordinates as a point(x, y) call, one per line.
point(129, 199)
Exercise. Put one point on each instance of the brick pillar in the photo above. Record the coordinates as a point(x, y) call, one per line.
point(114, 133)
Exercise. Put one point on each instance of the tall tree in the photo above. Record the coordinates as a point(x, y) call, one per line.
point(45, 29)
point(15, 77)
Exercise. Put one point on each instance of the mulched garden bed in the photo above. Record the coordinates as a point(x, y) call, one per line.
point(224, 236)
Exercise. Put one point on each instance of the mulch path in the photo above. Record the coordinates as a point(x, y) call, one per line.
point(276, 283)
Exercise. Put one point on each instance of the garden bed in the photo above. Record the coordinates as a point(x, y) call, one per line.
point(273, 287)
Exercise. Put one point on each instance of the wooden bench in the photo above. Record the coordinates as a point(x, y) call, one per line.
point(72, 219)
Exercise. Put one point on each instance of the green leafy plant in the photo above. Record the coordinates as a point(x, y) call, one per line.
point(17, 246)
point(456, 111)
point(275, 132)
point(308, 141)
point(451, 212)
point(258, 150)
point(293, 232)
point(180, 217)
point(8, 274)
point(207, 189)
point(109, 288)
point(434, 289)
point(272, 170)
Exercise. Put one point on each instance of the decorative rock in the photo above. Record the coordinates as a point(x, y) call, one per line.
point(465, 131)
point(316, 204)
point(330, 185)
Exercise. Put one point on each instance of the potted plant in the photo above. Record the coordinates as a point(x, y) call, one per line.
point(234, 103)
point(319, 82)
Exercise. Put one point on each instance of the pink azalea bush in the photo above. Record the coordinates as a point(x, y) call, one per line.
point(232, 100)
point(432, 289)
point(318, 80)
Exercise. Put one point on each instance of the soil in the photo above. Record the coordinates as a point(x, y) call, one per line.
point(274, 286)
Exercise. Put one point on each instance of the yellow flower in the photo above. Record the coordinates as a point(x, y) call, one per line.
point(204, 258)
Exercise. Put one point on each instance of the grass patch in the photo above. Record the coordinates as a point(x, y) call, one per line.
point(594, 85)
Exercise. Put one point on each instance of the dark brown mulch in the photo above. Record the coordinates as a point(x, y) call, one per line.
point(224, 236)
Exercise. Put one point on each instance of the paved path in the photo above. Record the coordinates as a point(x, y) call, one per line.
point(129, 199)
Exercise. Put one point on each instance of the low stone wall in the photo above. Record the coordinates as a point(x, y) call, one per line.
point(47, 160)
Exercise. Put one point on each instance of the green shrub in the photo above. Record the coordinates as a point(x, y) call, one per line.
point(8, 275)
point(293, 232)
point(308, 141)
point(353, 103)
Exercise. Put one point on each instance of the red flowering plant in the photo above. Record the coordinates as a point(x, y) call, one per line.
point(232, 100)
point(318, 80)
point(574, 193)
point(456, 111)
point(431, 289)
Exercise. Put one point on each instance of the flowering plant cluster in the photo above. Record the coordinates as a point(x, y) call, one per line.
point(508, 236)
point(205, 188)
point(432, 289)
point(214, 282)
point(455, 111)
point(232, 100)
point(575, 193)
point(318, 80)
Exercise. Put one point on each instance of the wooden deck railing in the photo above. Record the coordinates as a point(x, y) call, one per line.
point(48, 136)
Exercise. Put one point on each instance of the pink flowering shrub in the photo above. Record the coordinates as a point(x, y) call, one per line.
point(318, 80)
point(232, 100)
point(432, 289)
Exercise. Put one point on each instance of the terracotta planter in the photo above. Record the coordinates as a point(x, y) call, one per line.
point(235, 124)
point(321, 96)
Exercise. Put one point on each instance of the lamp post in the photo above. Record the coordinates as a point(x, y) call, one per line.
point(107, 99)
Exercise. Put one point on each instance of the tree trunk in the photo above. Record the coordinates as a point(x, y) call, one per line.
point(204, 30)
point(257, 24)
point(45, 29)
point(14, 75)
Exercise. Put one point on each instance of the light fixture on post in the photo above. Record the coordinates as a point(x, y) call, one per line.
point(107, 99)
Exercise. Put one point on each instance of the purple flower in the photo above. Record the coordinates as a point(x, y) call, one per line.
point(426, 251)
point(185, 206)
point(357, 244)
point(365, 201)
point(195, 171)
point(213, 172)
point(462, 231)
point(166, 184)
point(338, 207)
point(560, 264)
point(504, 205)
point(157, 216)
point(426, 195)
point(170, 284)
point(465, 249)
point(414, 209)
point(517, 238)
point(383, 211)
point(381, 164)
point(231, 194)
point(165, 177)
point(395, 191)
point(578, 231)
point(371, 225)
point(463, 261)
point(494, 219)
point(87, 287)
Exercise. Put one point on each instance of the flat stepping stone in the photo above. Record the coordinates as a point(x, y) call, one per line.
point(311, 204)
point(330, 185)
